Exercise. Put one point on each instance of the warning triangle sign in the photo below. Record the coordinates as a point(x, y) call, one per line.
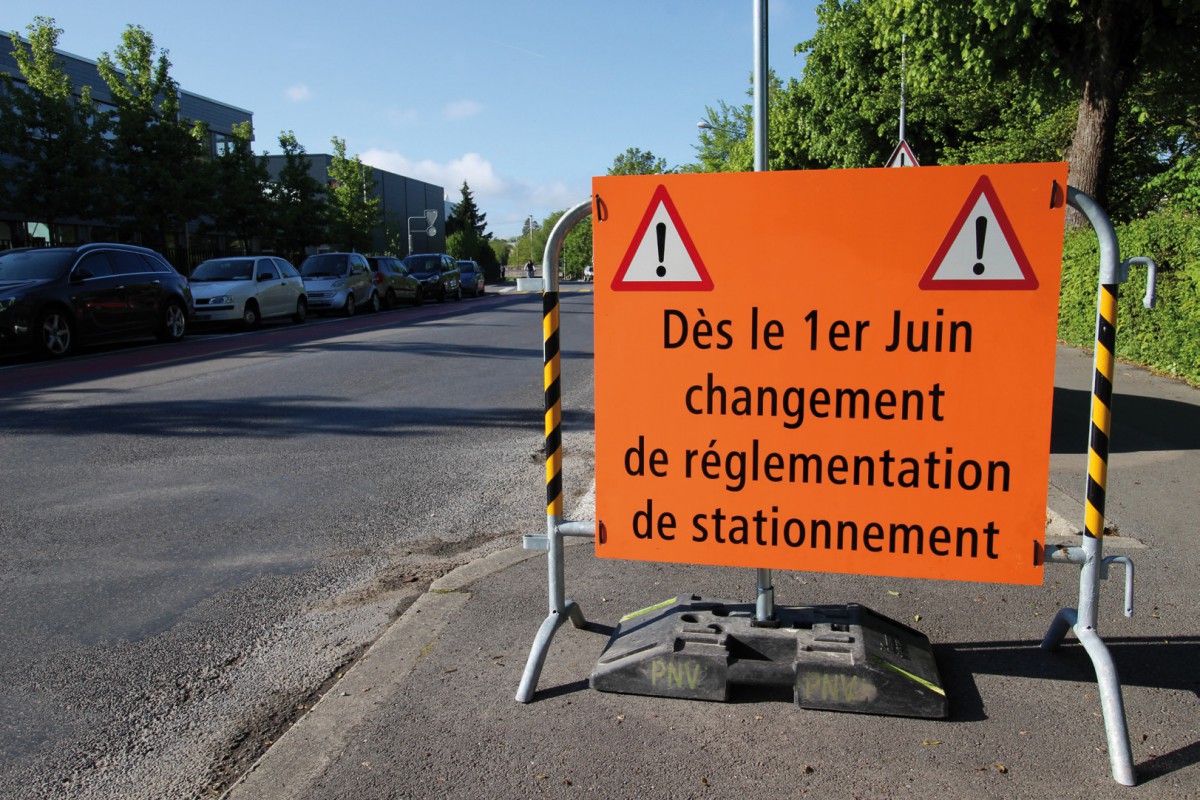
point(902, 156)
point(981, 251)
point(661, 256)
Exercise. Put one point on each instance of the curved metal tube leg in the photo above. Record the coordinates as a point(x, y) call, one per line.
point(1119, 753)
point(1064, 620)
point(541, 645)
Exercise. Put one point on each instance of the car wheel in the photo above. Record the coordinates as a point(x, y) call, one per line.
point(458, 293)
point(301, 311)
point(349, 308)
point(55, 334)
point(418, 297)
point(174, 322)
point(251, 319)
point(389, 300)
point(375, 304)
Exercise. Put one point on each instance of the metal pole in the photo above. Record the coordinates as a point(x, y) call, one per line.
point(764, 606)
point(561, 608)
point(903, 41)
point(761, 77)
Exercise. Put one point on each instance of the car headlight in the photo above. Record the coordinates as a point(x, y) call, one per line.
point(339, 284)
point(223, 300)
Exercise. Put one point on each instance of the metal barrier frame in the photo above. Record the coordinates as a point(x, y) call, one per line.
point(1093, 566)
point(561, 608)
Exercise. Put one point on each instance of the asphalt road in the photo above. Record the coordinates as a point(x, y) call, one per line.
point(198, 537)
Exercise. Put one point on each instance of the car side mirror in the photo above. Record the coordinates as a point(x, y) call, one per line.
point(80, 274)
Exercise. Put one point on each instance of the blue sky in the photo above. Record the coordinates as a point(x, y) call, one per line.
point(524, 99)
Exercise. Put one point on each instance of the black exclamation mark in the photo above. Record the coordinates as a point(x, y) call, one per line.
point(661, 230)
point(980, 235)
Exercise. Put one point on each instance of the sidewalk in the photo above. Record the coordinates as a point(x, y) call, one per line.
point(429, 711)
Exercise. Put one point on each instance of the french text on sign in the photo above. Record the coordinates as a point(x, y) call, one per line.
point(847, 419)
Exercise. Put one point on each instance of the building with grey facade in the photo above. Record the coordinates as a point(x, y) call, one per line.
point(403, 203)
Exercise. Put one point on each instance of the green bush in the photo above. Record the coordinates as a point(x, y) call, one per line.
point(1165, 338)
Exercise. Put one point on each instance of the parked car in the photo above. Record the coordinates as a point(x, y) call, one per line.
point(438, 274)
point(471, 278)
point(248, 289)
point(339, 282)
point(52, 299)
point(393, 281)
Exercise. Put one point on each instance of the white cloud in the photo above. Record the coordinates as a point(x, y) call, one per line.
point(298, 93)
point(506, 201)
point(473, 168)
point(463, 109)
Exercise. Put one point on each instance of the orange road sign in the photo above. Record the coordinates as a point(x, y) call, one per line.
point(840, 371)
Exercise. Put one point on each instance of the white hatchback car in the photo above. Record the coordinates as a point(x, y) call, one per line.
point(247, 289)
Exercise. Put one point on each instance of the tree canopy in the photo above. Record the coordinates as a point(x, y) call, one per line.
point(992, 81)
point(354, 212)
point(156, 155)
point(54, 167)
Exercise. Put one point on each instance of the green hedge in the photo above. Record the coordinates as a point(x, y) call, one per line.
point(1165, 338)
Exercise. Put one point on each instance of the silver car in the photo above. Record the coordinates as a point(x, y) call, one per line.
point(339, 282)
point(248, 290)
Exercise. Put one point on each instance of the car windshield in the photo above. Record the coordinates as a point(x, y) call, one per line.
point(423, 264)
point(34, 265)
point(466, 266)
point(326, 265)
point(225, 269)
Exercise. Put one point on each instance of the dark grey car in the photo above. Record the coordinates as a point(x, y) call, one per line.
point(437, 273)
point(54, 298)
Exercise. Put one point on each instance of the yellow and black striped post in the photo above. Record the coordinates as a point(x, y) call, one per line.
point(1102, 389)
point(553, 391)
point(560, 608)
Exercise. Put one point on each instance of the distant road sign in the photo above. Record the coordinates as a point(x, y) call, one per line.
point(848, 392)
point(902, 156)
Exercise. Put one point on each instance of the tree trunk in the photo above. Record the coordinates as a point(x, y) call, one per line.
point(1111, 47)
point(1092, 145)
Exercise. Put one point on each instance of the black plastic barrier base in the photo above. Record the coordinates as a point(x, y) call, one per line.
point(840, 658)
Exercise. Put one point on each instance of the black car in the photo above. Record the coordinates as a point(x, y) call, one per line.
point(54, 298)
point(437, 273)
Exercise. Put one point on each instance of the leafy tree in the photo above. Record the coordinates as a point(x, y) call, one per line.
point(51, 142)
point(1100, 47)
point(530, 245)
point(468, 237)
point(163, 179)
point(501, 250)
point(467, 215)
point(577, 249)
point(728, 144)
point(241, 202)
point(635, 161)
point(301, 212)
point(354, 209)
point(463, 244)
